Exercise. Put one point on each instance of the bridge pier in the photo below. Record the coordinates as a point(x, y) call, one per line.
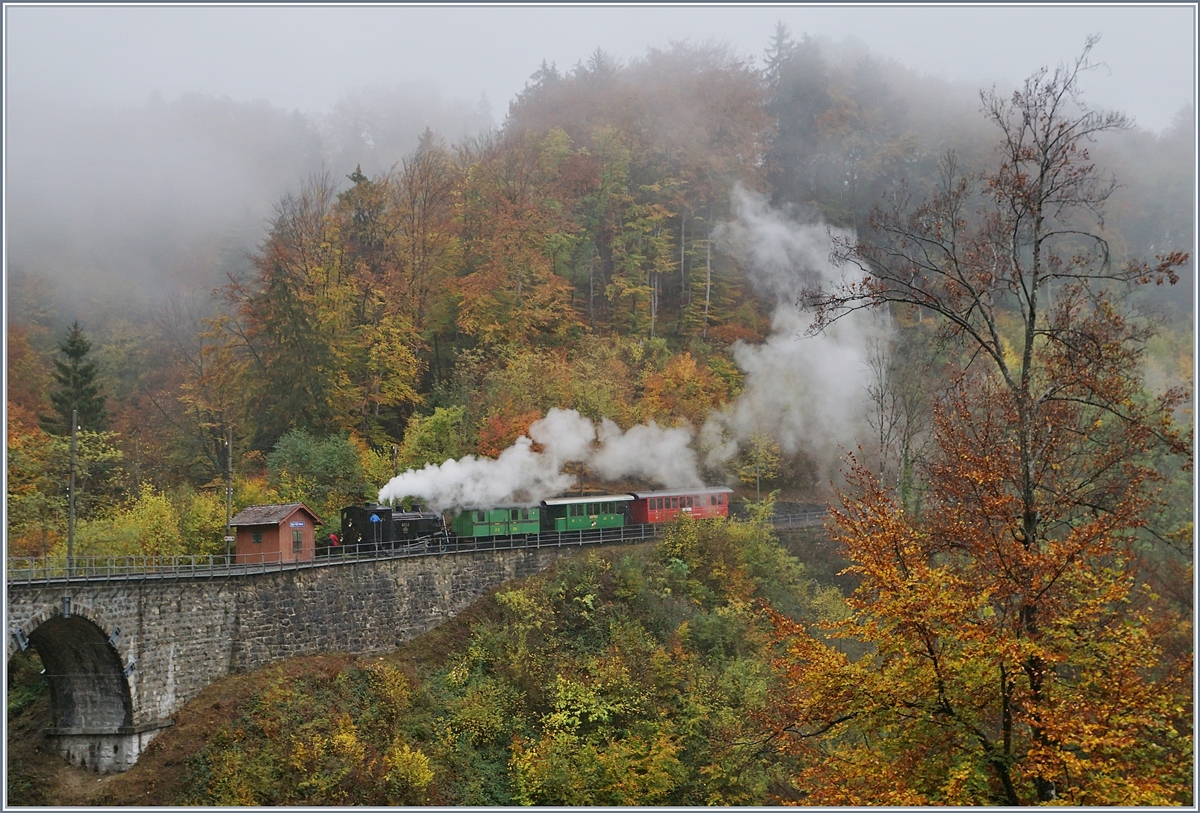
point(104, 750)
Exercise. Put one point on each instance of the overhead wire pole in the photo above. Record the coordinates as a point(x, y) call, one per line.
point(71, 496)
point(228, 490)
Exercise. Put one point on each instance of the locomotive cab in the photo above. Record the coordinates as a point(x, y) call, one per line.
point(366, 528)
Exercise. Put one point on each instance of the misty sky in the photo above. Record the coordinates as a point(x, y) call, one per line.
point(121, 181)
point(307, 57)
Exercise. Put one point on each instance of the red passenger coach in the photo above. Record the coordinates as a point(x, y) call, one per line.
point(664, 506)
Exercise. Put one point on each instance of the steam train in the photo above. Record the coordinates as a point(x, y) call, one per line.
point(373, 527)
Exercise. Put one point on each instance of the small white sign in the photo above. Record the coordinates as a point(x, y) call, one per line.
point(299, 524)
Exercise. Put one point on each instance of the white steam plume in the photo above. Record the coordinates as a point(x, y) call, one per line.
point(521, 475)
point(648, 451)
point(804, 391)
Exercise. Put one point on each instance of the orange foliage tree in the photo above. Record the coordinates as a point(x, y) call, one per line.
point(321, 336)
point(500, 430)
point(510, 293)
point(1012, 656)
point(995, 669)
point(683, 389)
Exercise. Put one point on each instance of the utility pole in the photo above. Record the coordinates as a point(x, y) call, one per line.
point(757, 486)
point(707, 286)
point(71, 496)
point(228, 490)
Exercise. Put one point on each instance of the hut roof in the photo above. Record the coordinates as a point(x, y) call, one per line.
point(269, 514)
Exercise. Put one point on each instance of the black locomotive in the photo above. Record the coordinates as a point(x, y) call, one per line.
point(373, 527)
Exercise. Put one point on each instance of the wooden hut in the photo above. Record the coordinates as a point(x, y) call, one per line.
point(276, 533)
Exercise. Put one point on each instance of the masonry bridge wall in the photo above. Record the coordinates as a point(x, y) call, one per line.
point(122, 656)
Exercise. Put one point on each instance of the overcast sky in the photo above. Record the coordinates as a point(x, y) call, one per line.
point(306, 57)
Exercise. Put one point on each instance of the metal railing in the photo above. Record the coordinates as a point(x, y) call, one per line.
point(799, 519)
point(38, 570)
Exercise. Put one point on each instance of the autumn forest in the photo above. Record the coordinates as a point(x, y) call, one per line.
point(978, 306)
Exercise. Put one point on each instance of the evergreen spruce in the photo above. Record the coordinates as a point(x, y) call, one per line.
point(780, 51)
point(77, 388)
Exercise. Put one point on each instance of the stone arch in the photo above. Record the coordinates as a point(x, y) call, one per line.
point(89, 690)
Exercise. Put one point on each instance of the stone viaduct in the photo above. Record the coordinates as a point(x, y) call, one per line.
point(122, 655)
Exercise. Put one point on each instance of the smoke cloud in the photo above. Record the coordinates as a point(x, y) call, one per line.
point(647, 451)
point(805, 391)
point(523, 476)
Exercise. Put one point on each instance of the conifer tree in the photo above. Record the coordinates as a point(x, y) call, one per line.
point(76, 388)
point(781, 49)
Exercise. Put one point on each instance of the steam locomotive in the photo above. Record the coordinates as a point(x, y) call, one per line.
point(374, 527)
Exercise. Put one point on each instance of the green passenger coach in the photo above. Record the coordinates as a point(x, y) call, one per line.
point(583, 513)
point(497, 522)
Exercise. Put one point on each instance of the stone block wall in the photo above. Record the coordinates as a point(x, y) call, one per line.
point(167, 639)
